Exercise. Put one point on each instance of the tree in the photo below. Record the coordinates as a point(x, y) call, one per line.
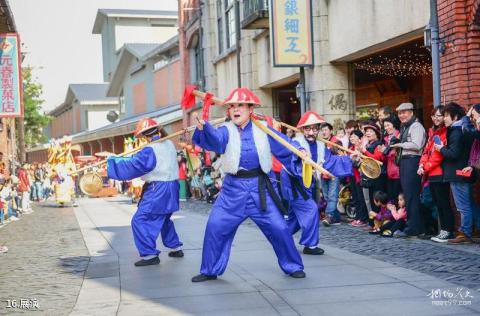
point(34, 120)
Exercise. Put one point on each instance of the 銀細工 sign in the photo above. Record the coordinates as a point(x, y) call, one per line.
point(291, 33)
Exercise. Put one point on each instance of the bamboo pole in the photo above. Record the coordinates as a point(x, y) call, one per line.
point(348, 150)
point(129, 152)
point(291, 147)
point(201, 94)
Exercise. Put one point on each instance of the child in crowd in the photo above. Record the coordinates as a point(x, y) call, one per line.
point(196, 185)
point(342, 136)
point(213, 191)
point(207, 180)
point(383, 216)
point(399, 217)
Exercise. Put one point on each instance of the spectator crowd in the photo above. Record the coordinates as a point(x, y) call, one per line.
point(18, 187)
point(426, 186)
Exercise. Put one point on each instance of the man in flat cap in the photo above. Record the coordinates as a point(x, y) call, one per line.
point(412, 141)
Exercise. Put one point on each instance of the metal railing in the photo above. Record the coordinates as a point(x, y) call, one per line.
point(254, 6)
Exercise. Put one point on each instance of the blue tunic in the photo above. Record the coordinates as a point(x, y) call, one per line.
point(239, 200)
point(302, 213)
point(159, 200)
point(160, 197)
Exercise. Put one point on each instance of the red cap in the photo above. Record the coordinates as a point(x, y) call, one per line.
point(310, 118)
point(242, 95)
point(144, 125)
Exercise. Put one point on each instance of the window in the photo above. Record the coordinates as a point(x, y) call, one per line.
point(230, 21)
point(231, 27)
point(226, 20)
point(121, 100)
point(199, 73)
point(220, 26)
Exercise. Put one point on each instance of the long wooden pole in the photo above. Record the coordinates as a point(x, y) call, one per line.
point(291, 148)
point(348, 150)
point(129, 152)
point(201, 94)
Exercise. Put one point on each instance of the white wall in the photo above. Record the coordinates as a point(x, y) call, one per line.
point(354, 25)
point(265, 71)
point(97, 119)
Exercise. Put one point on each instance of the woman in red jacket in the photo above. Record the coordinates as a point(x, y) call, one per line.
point(430, 168)
point(24, 188)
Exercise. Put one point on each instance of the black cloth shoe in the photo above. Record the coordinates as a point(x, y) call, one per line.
point(298, 274)
point(203, 277)
point(313, 251)
point(176, 254)
point(147, 262)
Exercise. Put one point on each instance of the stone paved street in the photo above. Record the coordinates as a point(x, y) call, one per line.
point(458, 264)
point(80, 262)
point(47, 259)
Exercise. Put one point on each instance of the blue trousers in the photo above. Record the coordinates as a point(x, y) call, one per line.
point(466, 206)
point(221, 228)
point(303, 214)
point(331, 189)
point(147, 226)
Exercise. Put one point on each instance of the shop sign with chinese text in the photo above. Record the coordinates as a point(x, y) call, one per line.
point(291, 33)
point(11, 103)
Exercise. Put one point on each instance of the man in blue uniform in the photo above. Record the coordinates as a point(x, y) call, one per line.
point(247, 191)
point(303, 210)
point(157, 165)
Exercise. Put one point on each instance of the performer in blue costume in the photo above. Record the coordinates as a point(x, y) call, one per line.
point(303, 210)
point(157, 165)
point(247, 191)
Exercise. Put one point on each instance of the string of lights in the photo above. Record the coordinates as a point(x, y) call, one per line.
point(406, 64)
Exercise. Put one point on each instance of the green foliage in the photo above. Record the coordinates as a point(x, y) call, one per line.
point(34, 119)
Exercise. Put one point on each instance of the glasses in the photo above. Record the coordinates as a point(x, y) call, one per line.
point(437, 116)
point(311, 128)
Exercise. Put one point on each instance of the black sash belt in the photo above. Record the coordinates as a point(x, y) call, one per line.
point(264, 184)
point(144, 188)
point(297, 187)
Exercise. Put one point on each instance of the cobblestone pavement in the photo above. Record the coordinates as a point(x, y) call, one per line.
point(458, 264)
point(46, 261)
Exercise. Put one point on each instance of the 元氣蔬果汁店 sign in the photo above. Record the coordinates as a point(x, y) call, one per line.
point(291, 33)
point(11, 103)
